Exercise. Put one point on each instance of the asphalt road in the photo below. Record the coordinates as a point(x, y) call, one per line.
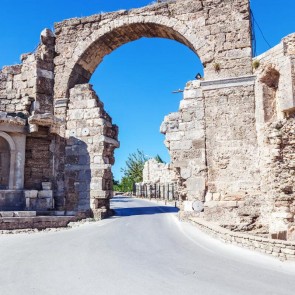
point(142, 250)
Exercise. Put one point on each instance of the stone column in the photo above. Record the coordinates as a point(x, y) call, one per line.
point(91, 140)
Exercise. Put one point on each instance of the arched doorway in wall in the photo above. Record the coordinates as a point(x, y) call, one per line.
point(8, 160)
point(4, 163)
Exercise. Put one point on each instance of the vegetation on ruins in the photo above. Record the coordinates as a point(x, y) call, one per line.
point(256, 64)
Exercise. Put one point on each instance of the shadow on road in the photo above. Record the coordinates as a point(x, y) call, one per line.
point(131, 211)
point(121, 199)
point(144, 210)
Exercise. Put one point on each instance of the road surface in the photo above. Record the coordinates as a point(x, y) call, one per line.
point(142, 250)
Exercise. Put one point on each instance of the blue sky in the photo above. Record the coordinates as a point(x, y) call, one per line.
point(136, 81)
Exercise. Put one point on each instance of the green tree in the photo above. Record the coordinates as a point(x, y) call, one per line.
point(116, 186)
point(126, 184)
point(132, 172)
point(134, 166)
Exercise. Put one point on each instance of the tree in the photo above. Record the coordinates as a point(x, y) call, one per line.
point(134, 166)
point(125, 185)
point(132, 172)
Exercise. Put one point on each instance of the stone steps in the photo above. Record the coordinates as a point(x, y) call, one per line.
point(37, 222)
point(6, 214)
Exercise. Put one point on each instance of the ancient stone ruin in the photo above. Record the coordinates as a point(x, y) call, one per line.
point(231, 142)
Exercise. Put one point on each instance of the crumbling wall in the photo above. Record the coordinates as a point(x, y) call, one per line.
point(185, 139)
point(281, 59)
point(247, 174)
point(45, 73)
point(28, 88)
point(155, 172)
point(279, 175)
point(212, 141)
point(16, 93)
point(275, 102)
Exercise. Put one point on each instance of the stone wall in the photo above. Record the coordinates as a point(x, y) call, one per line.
point(284, 250)
point(159, 182)
point(232, 155)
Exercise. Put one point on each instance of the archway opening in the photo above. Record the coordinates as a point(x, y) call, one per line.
point(5, 155)
point(136, 84)
point(91, 53)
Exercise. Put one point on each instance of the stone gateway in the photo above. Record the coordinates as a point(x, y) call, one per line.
point(232, 142)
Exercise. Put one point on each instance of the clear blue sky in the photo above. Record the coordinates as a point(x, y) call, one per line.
point(135, 81)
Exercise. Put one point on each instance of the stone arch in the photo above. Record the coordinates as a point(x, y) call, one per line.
point(12, 148)
point(89, 53)
point(217, 31)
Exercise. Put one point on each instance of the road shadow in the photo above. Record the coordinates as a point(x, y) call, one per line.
point(121, 200)
point(122, 211)
point(144, 210)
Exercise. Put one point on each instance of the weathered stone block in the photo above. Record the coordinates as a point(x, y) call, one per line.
point(46, 185)
point(31, 194)
point(45, 194)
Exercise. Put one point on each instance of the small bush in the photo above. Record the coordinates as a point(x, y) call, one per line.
point(256, 64)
